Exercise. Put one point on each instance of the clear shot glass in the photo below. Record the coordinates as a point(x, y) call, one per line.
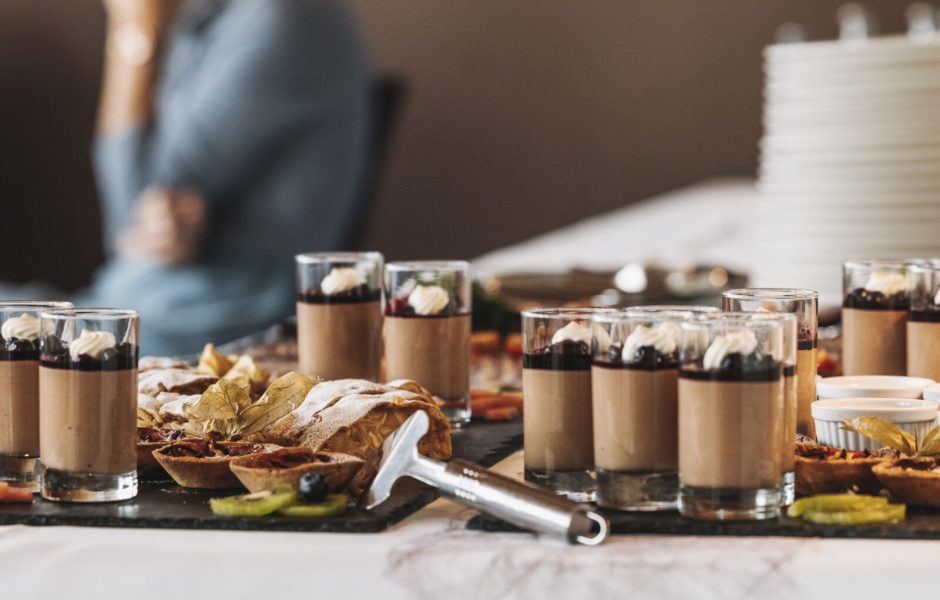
point(339, 314)
point(427, 330)
point(731, 398)
point(923, 326)
point(876, 301)
point(88, 404)
point(19, 391)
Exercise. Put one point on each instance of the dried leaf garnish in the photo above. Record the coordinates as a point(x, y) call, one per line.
point(930, 445)
point(213, 362)
point(283, 395)
point(145, 419)
point(227, 411)
point(246, 372)
point(884, 432)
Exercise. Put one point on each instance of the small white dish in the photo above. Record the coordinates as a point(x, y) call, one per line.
point(872, 386)
point(932, 393)
point(914, 416)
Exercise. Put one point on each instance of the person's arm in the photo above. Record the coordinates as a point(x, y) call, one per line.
point(135, 31)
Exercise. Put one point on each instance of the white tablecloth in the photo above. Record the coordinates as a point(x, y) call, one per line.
point(432, 556)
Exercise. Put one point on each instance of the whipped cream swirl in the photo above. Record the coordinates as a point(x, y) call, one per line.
point(572, 332)
point(91, 343)
point(23, 327)
point(341, 279)
point(887, 283)
point(737, 342)
point(662, 338)
point(428, 299)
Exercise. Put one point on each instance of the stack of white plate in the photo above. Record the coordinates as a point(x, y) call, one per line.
point(850, 158)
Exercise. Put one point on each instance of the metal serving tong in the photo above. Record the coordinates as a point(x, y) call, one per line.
point(519, 503)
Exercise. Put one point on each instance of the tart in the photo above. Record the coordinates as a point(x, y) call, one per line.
point(150, 439)
point(826, 470)
point(914, 481)
point(204, 464)
point(260, 472)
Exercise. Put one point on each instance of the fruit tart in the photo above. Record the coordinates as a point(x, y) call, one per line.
point(826, 470)
point(259, 472)
point(913, 480)
point(150, 439)
point(204, 464)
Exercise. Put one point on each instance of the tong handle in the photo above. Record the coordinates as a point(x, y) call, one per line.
point(521, 504)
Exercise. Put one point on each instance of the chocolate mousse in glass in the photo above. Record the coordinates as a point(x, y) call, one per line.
point(339, 314)
point(634, 381)
point(790, 397)
point(923, 328)
point(427, 330)
point(556, 383)
point(19, 391)
point(88, 404)
point(877, 298)
point(731, 397)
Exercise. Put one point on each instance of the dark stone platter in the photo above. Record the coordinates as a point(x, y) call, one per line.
point(164, 505)
point(920, 524)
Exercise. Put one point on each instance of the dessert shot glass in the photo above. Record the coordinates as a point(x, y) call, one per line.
point(556, 383)
point(339, 314)
point(88, 404)
point(634, 387)
point(19, 390)
point(731, 414)
point(923, 326)
point(790, 386)
point(877, 298)
point(427, 330)
point(805, 305)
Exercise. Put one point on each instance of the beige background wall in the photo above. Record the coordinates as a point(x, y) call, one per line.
point(523, 115)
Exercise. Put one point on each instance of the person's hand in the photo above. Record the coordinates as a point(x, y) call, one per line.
point(167, 226)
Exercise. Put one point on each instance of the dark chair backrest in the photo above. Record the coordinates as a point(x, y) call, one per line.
point(388, 97)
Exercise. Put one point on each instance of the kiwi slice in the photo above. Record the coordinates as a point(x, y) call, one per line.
point(254, 505)
point(335, 504)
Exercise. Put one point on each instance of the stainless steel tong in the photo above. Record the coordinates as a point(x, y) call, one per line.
point(514, 501)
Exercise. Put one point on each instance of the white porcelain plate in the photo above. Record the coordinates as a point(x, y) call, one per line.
point(872, 386)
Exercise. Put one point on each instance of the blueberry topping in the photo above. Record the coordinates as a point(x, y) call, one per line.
point(868, 299)
point(312, 488)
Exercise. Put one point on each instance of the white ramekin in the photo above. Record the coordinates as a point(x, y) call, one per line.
point(871, 386)
point(914, 416)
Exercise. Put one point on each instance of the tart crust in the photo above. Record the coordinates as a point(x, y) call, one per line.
point(260, 472)
point(911, 480)
point(824, 470)
point(210, 471)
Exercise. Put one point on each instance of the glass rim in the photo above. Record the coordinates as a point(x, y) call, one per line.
point(34, 305)
point(689, 308)
point(639, 316)
point(427, 265)
point(561, 313)
point(319, 258)
point(91, 314)
point(770, 293)
point(892, 263)
point(927, 267)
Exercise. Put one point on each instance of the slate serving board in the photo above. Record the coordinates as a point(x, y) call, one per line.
point(920, 524)
point(164, 505)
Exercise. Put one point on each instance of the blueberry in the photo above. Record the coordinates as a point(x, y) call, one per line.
point(613, 353)
point(645, 355)
point(18, 345)
point(732, 362)
point(109, 355)
point(312, 488)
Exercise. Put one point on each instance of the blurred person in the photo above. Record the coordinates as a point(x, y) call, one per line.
point(231, 135)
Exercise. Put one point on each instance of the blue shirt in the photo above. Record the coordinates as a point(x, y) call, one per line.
point(263, 109)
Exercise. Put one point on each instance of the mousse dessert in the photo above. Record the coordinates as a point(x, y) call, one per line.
point(874, 318)
point(556, 383)
point(635, 409)
point(923, 328)
point(339, 315)
point(87, 405)
point(427, 331)
point(731, 413)
point(19, 391)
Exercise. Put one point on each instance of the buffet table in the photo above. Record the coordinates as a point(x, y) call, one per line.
point(432, 555)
